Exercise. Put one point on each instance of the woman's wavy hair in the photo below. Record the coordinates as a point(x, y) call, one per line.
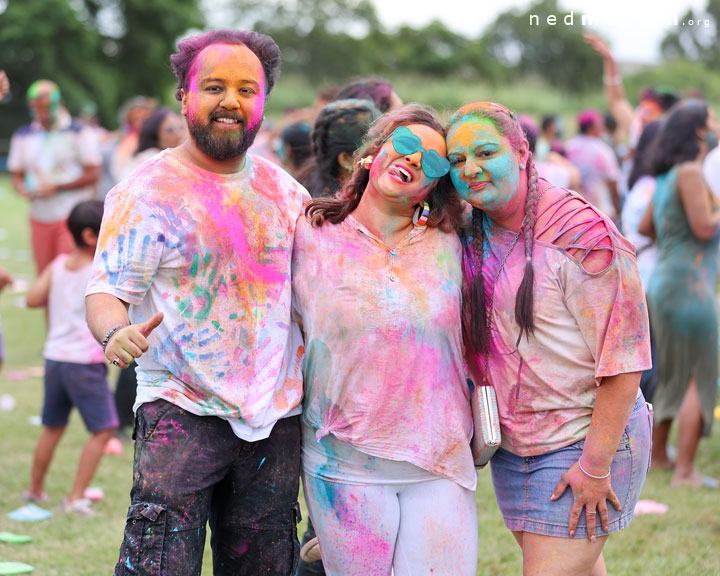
point(446, 206)
point(508, 125)
point(677, 140)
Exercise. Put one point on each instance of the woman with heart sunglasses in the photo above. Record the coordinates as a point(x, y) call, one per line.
point(388, 472)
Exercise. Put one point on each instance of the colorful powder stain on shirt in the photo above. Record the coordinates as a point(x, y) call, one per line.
point(384, 370)
point(212, 252)
point(587, 326)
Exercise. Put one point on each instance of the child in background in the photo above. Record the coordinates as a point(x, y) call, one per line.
point(75, 370)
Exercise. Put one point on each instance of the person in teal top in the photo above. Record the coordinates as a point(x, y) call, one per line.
point(685, 217)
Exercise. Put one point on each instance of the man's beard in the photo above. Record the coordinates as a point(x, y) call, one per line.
point(219, 146)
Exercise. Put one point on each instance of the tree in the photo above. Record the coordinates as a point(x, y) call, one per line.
point(331, 40)
point(356, 16)
point(99, 50)
point(320, 39)
point(141, 38)
point(61, 48)
point(696, 41)
point(557, 52)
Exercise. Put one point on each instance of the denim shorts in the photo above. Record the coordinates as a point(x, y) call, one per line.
point(523, 486)
point(84, 386)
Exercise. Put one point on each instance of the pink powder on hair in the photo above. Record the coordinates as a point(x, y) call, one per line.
point(257, 114)
point(192, 90)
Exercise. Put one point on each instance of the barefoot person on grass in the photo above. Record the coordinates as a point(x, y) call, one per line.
point(684, 216)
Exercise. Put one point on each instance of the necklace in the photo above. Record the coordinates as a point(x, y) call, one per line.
point(488, 320)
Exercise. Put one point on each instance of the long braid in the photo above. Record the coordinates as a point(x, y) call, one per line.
point(524, 296)
point(324, 181)
point(478, 312)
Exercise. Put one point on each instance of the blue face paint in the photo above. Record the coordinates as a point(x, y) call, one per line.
point(483, 165)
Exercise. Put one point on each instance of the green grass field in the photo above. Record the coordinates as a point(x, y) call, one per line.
point(684, 541)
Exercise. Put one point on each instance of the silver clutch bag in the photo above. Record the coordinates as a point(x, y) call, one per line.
point(486, 424)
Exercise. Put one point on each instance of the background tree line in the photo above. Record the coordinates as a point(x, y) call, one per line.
point(106, 51)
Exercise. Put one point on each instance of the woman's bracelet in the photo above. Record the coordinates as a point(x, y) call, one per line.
point(612, 80)
point(588, 473)
point(110, 334)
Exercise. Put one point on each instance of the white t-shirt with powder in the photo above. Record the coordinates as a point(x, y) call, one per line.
point(213, 253)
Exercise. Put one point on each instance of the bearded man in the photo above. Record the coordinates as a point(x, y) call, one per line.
point(192, 278)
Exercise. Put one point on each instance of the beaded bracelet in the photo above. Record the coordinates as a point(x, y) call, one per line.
point(612, 80)
point(110, 334)
point(591, 475)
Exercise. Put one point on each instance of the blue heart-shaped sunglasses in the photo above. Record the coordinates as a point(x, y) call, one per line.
point(405, 142)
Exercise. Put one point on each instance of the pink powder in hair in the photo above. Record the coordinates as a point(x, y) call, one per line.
point(589, 117)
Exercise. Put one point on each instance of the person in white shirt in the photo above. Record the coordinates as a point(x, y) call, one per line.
point(54, 162)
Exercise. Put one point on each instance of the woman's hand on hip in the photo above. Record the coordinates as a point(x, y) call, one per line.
point(588, 493)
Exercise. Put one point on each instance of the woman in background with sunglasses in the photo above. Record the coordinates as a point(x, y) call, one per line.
point(388, 473)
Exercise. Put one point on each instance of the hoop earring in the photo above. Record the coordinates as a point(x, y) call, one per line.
point(420, 218)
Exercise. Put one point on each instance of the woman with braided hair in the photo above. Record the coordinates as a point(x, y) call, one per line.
point(388, 472)
point(556, 322)
point(338, 131)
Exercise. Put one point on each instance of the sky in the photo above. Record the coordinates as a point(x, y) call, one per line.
point(634, 28)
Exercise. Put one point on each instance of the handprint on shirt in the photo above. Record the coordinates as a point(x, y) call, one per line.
point(121, 270)
point(204, 287)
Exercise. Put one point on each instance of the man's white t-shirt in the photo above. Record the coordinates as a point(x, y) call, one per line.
point(213, 253)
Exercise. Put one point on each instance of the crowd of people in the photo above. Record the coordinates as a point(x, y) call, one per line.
point(330, 319)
